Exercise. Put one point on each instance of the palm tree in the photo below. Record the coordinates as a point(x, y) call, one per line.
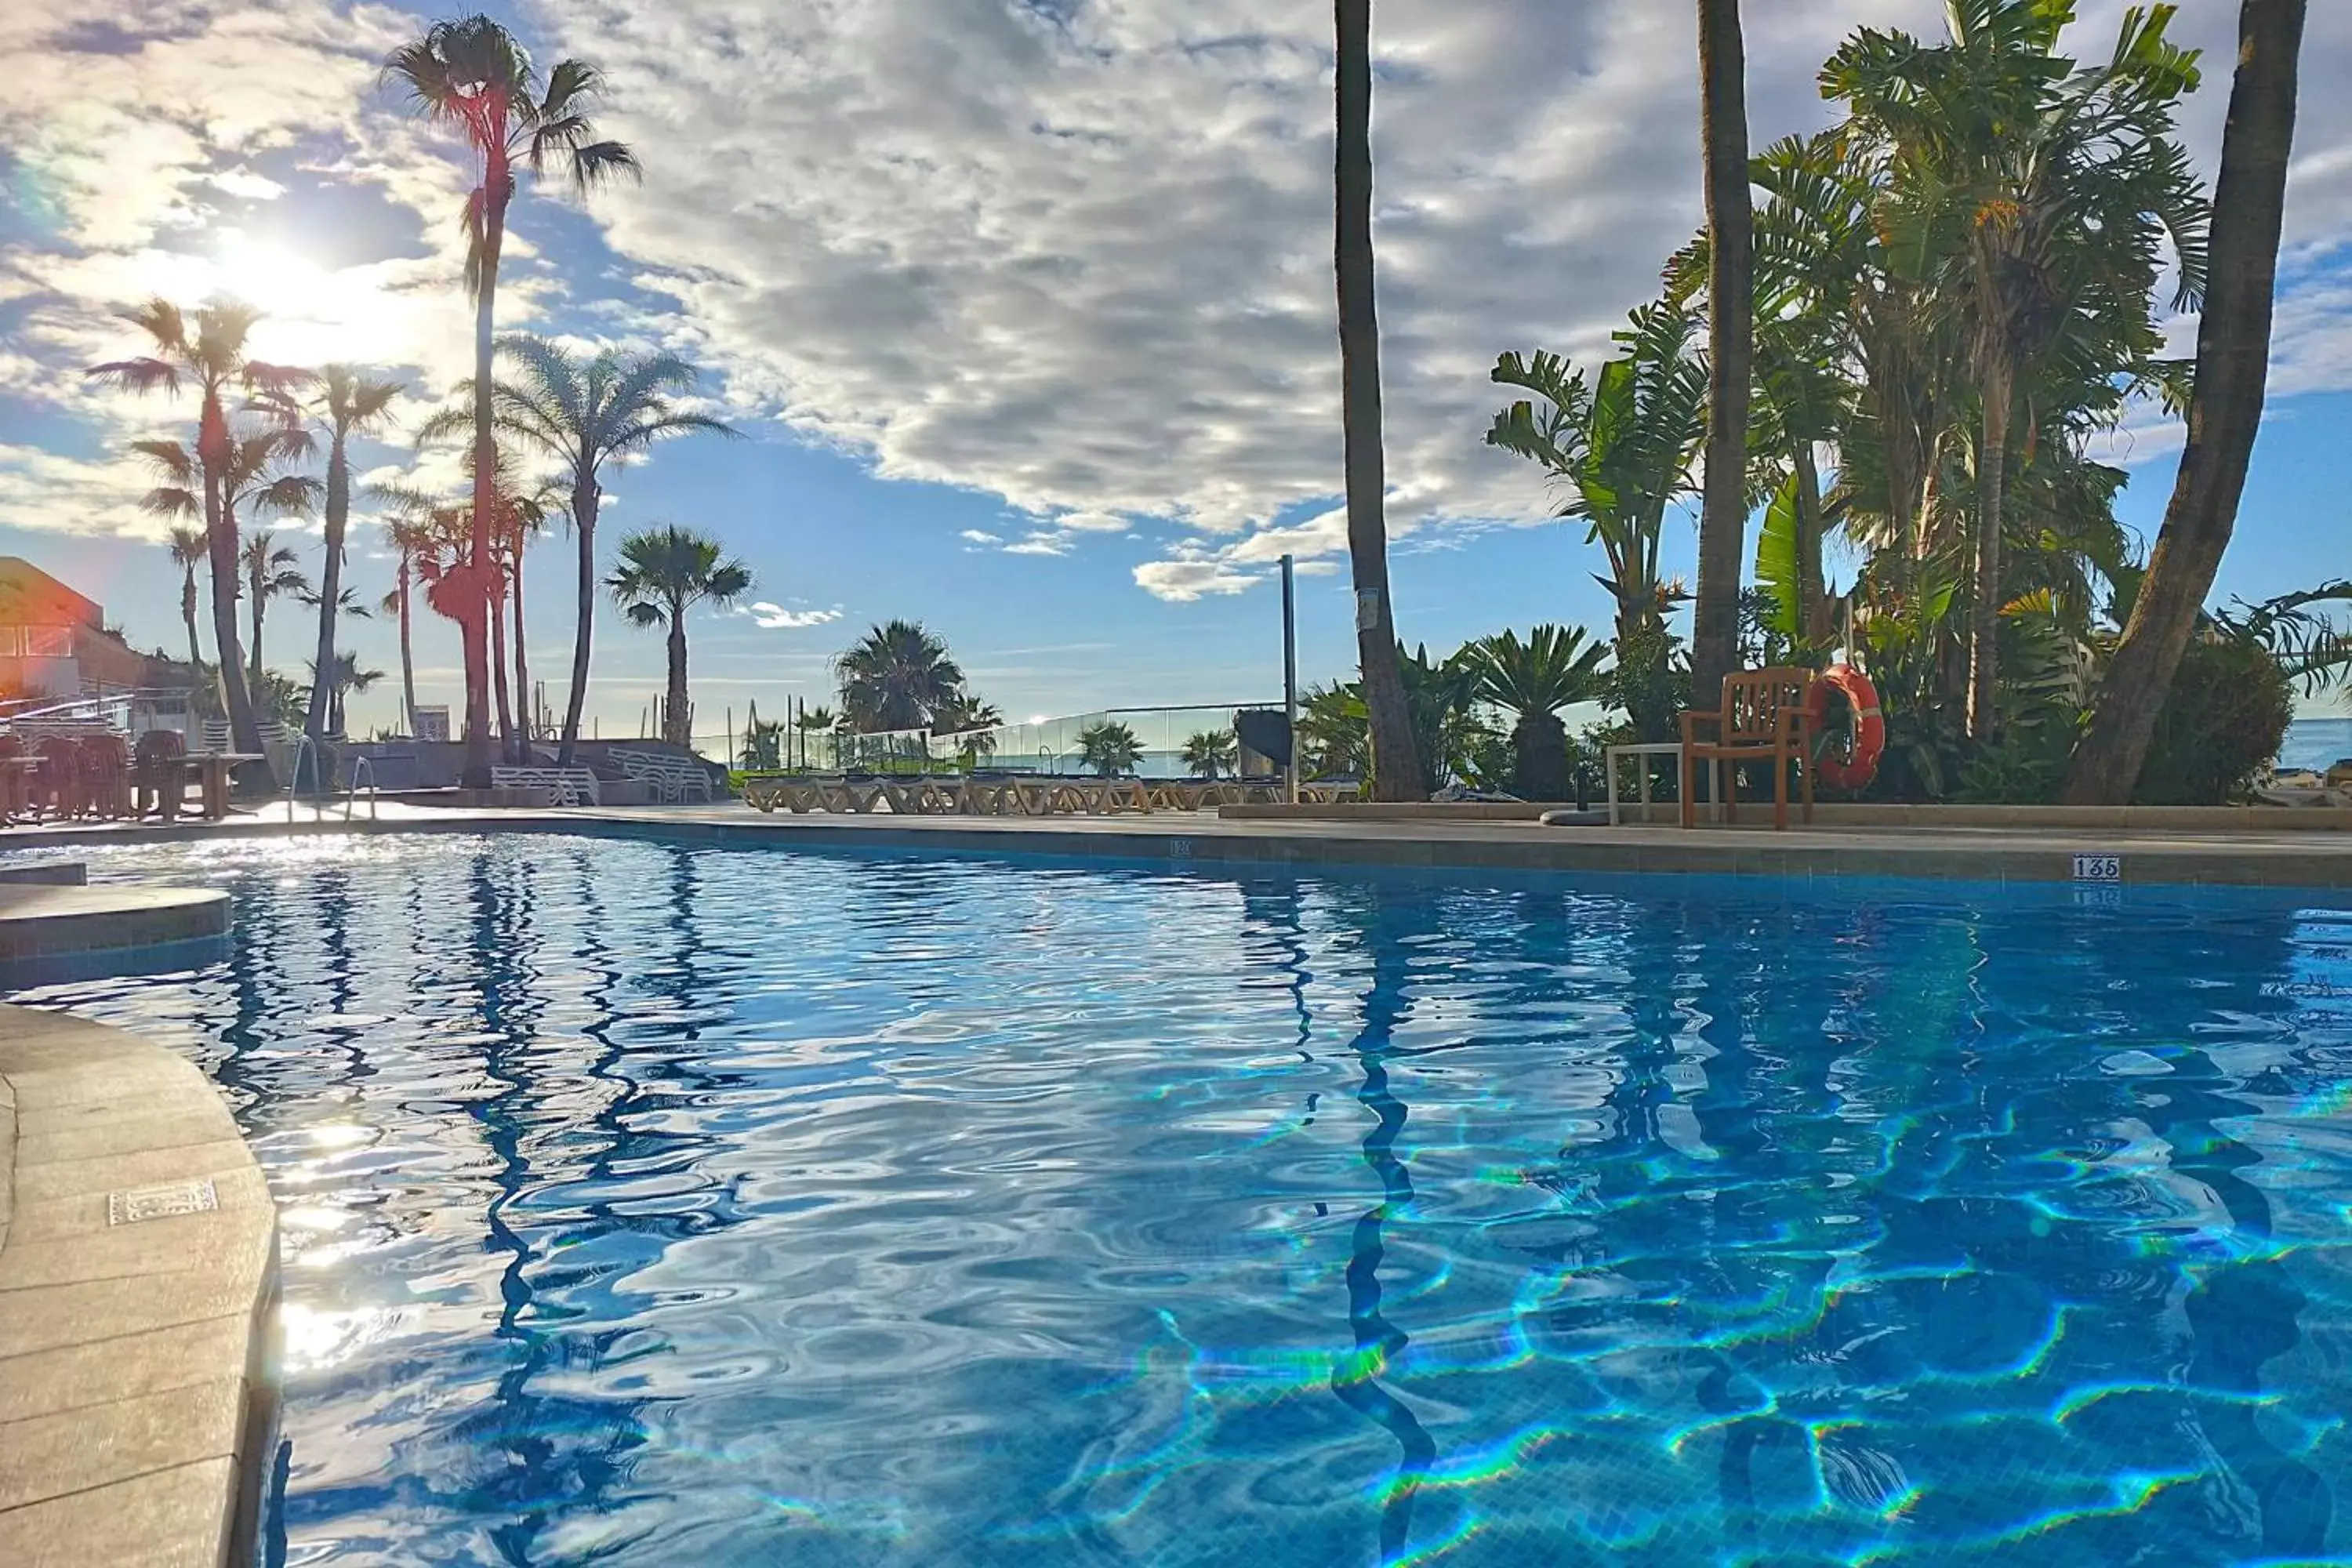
point(585, 412)
point(346, 402)
point(209, 351)
point(342, 677)
point(2225, 409)
point(1621, 448)
point(2039, 201)
point(812, 722)
point(411, 537)
point(1111, 748)
point(252, 479)
point(269, 573)
point(762, 745)
point(897, 677)
point(1396, 769)
point(1534, 679)
point(524, 503)
point(662, 573)
point(971, 721)
point(1731, 283)
point(188, 549)
point(1209, 752)
point(472, 75)
point(522, 516)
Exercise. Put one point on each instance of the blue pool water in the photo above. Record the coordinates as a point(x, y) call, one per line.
point(653, 1205)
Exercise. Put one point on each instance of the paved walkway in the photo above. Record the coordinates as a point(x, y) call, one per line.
point(138, 1270)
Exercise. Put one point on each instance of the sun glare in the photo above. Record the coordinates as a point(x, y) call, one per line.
point(311, 314)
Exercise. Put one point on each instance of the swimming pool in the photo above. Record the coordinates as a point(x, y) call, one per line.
point(651, 1204)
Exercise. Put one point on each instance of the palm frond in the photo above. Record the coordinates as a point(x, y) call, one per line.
point(170, 459)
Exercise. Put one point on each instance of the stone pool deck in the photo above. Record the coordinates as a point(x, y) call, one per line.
point(2298, 858)
point(1980, 844)
point(138, 1279)
point(50, 920)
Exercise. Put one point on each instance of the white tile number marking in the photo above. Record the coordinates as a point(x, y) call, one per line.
point(161, 1202)
point(2098, 868)
point(1180, 848)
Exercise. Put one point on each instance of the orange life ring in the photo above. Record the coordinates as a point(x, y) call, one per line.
point(1860, 764)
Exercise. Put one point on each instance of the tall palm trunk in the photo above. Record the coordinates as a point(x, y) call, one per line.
point(319, 719)
point(1396, 763)
point(188, 614)
point(482, 590)
point(586, 499)
point(497, 601)
point(677, 726)
point(220, 542)
point(253, 671)
point(2225, 411)
point(1998, 392)
point(407, 650)
point(521, 661)
point(1732, 335)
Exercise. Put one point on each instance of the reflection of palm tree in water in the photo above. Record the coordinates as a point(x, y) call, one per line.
point(2241, 1314)
point(1355, 1380)
point(572, 1451)
point(548, 1473)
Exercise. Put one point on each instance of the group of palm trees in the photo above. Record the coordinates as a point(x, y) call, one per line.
point(576, 414)
point(1942, 299)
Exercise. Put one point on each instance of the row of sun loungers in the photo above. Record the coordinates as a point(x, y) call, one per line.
point(1030, 795)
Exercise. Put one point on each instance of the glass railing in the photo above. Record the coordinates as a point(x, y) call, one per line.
point(1183, 741)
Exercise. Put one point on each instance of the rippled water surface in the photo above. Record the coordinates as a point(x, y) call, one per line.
point(649, 1204)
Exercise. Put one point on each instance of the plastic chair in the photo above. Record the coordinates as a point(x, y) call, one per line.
point(16, 778)
point(158, 779)
point(57, 785)
point(105, 775)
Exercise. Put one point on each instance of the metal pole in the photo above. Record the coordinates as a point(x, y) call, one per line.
point(1291, 675)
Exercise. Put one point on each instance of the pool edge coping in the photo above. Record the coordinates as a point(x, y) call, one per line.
point(2148, 856)
point(139, 1381)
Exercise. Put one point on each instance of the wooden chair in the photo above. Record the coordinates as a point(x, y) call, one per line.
point(1764, 718)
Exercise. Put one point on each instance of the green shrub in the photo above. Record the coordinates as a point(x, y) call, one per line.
point(2221, 726)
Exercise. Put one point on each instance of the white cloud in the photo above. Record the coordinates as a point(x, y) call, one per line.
point(1185, 579)
point(244, 183)
point(47, 490)
point(1075, 255)
point(775, 618)
point(1078, 256)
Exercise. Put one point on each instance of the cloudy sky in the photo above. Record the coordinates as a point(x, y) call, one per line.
point(1025, 305)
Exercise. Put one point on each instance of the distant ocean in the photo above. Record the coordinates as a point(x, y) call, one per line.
point(2317, 743)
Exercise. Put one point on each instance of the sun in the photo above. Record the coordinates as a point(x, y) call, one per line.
point(284, 282)
point(311, 314)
